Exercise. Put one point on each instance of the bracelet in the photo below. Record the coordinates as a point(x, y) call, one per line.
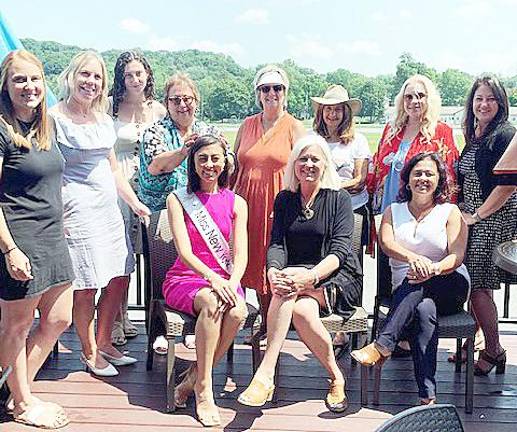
point(9, 250)
point(476, 217)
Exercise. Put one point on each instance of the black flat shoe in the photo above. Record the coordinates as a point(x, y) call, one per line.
point(498, 362)
point(399, 352)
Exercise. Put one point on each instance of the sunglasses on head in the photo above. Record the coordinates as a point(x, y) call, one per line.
point(409, 97)
point(188, 100)
point(277, 88)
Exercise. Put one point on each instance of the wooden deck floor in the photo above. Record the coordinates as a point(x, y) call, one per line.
point(134, 401)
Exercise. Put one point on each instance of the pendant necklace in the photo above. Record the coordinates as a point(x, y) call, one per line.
point(307, 211)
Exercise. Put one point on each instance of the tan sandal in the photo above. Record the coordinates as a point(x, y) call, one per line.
point(43, 416)
point(130, 330)
point(118, 337)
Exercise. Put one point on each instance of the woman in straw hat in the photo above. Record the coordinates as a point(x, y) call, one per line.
point(334, 121)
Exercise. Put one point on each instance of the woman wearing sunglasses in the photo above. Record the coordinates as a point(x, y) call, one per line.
point(263, 144)
point(163, 166)
point(415, 129)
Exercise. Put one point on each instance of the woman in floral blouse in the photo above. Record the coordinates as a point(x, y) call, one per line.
point(415, 129)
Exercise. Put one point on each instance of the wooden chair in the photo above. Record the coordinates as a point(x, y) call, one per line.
point(435, 418)
point(160, 254)
point(457, 326)
point(356, 325)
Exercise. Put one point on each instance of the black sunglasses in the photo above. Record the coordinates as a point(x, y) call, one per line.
point(409, 97)
point(188, 100)
point(277, 88)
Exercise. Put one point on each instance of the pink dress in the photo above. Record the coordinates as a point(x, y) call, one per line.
point(181, 283)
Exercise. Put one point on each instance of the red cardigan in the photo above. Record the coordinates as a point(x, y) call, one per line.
point(442, 142)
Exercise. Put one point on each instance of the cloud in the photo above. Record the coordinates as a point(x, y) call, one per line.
point(360, 46)
point(158, 43)
point(133, 25)
point(309, 46)
point(253, 16)
point(233, 49)
point(474, 9)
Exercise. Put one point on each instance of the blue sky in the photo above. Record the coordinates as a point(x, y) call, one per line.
point(365, 36)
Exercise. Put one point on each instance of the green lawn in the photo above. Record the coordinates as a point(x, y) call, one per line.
point(373, 138)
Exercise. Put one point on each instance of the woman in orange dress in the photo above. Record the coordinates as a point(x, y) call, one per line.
point(263, 144)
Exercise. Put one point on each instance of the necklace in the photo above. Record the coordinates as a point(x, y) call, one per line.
point(307, 211)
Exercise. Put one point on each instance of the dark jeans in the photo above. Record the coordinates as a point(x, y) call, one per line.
point(413, 315)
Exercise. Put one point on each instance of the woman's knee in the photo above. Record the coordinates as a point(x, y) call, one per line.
point(56, 323)
point(17, 326)
point(305, 312)
point(426, 310)
point(206, 302)
point(238, 313)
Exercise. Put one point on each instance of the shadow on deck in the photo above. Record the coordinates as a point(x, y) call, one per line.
point(135, 400)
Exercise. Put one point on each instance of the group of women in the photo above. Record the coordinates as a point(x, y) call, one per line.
point(70, 217)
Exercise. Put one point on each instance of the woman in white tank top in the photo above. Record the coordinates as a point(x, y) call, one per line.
point(425, 238)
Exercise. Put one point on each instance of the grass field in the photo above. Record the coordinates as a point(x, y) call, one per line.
point(373, 138)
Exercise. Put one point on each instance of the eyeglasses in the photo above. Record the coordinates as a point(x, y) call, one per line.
point(418, 96)
point(187, 100)
point(277, 88)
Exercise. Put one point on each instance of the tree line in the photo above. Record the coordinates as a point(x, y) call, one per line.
point(227, 90)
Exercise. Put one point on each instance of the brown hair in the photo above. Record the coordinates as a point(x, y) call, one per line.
point(40, 128)
point(345, 129)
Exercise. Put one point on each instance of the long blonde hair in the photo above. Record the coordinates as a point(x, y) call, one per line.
point(430, 116)
point(329, 178)
point(66, 79)
point(40, 129)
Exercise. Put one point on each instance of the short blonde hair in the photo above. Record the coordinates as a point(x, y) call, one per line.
point(66, 79)
point(329, 178)
point(264, 70)
point(431, 114)
point(180, 78)
point(40, 129)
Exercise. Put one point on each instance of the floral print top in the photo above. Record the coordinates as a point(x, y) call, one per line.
point(162, 137)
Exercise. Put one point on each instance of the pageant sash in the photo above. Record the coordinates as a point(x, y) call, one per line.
point(208, 229)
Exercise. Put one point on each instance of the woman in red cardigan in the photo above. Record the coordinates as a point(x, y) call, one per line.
point(415, 129)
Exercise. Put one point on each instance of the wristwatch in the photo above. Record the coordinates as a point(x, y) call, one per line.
point(476, 217)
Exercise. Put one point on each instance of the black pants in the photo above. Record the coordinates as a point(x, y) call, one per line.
point(413, 315)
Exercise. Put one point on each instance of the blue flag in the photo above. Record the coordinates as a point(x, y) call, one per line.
point(8, 43)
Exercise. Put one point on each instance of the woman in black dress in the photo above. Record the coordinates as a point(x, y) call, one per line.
point(489, 208)
point(36, 271)
point(311, 267)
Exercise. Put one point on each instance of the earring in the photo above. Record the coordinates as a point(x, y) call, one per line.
point(407, 187)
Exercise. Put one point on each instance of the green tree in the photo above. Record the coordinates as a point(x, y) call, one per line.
point(228, 99)
point(454, 86)
point(407, 67)
point(373, 94)
point(352, 81)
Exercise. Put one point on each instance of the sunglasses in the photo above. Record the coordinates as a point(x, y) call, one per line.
point(418, 96)
point(187, 100)
point(277, 88)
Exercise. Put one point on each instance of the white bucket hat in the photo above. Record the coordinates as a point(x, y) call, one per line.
point(337, 94)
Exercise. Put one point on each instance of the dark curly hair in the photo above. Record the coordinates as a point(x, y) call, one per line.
point(193, 181)
point(470, 121)
point(444, 189)
point(118, 90)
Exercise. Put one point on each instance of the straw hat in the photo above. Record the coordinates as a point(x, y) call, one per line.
point(337, 94)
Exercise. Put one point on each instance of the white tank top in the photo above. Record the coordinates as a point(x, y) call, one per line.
point(427, 237)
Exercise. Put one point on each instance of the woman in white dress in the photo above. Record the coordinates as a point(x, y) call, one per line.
point(101, 253)
point(133, 109)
